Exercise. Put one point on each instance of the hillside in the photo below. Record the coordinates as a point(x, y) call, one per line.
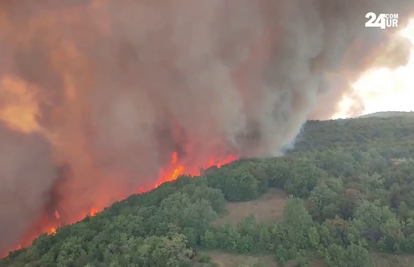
point(388, 114)
point(344, 197)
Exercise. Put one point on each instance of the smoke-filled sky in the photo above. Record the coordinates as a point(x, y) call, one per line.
point(107, 90)
point(385, 89)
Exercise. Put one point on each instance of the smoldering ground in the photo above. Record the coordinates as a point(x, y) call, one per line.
point(112, 88)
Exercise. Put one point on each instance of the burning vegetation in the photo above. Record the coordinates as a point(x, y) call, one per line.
point(99, 98)
point(48, 224)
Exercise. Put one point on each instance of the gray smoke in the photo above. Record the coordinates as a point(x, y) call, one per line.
point(119, 85)
point(27, 174)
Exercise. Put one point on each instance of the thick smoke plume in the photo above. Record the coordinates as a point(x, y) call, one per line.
point(109, 89)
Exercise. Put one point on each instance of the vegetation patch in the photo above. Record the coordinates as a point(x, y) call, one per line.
point(350, 204)
point(267, 208)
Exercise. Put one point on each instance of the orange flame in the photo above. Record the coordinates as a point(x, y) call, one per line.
point(177, 169)
point(93, 212)
point(167, 174)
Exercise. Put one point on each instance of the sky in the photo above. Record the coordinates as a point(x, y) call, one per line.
point(385, 89)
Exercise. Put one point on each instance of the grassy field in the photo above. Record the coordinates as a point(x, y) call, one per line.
point(267, 208)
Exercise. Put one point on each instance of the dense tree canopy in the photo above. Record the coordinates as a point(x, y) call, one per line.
point(351, 187)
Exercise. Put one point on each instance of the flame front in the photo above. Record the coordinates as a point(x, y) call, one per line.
point(102, 99)
point(177, 169)
point(167, 174)
point(93, 212)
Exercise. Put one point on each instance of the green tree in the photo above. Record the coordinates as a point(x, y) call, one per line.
point(303, 178)
point(297, 224)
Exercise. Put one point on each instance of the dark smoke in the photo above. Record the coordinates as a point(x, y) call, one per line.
point(116, 86)
point(27, 173)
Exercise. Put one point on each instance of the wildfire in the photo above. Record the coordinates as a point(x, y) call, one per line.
point(177, 169)
point(93, 212)
point(167, 174)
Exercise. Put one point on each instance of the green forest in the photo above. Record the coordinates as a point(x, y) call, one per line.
point(349, 202)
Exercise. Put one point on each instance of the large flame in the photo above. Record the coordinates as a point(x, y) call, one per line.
point(102, 99)
point(21, 113)
point(168, 174)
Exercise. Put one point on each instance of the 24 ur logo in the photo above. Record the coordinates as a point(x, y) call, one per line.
point(383, 21)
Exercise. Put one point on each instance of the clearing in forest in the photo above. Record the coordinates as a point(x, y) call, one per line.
point(266, 208)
